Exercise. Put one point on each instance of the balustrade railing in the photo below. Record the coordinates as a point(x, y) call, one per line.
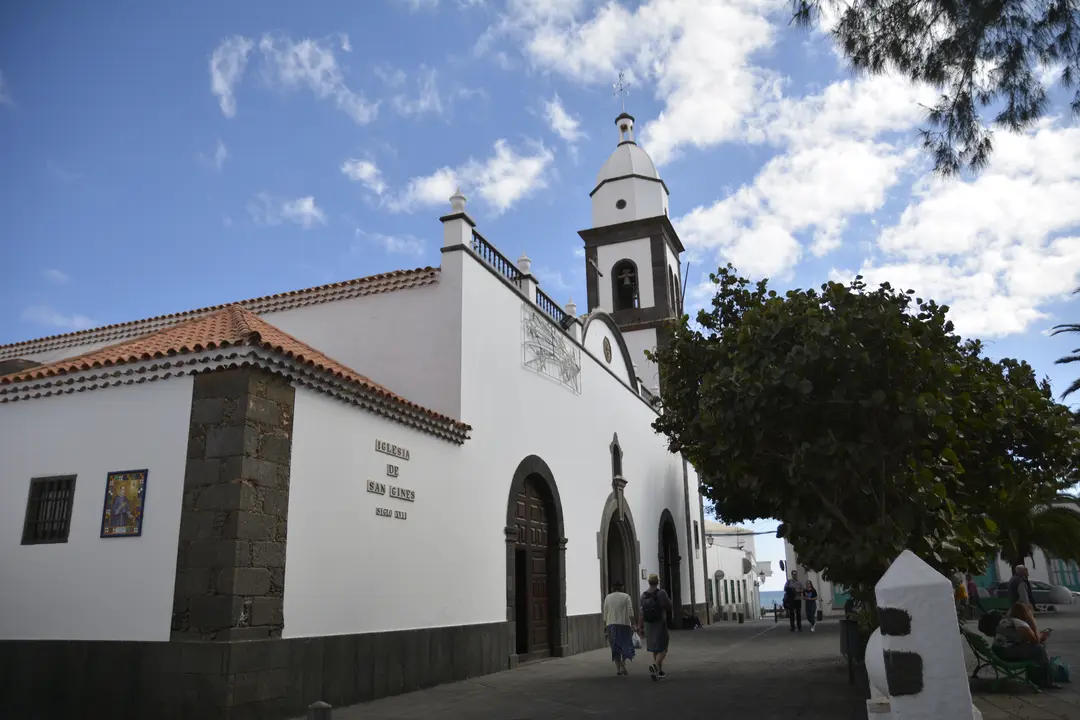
point(552, 308)
point(496, 259)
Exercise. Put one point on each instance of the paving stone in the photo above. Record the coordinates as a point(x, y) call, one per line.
point(721, 671)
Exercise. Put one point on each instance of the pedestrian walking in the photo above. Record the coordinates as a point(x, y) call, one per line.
point(810, 595)
point(655, 604)
point(793, 600)
point(1020, 588)
point(619, 624)
point(974, 603)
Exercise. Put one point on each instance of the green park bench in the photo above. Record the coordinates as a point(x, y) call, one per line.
point(1003, 669)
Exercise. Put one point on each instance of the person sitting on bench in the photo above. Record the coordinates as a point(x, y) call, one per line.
point(1018, 639)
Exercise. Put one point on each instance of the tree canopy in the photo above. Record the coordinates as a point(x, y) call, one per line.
point(980, 54)
point(861, 421)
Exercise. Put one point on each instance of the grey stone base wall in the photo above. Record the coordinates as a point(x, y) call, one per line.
point(271, 679)
point(584, 633)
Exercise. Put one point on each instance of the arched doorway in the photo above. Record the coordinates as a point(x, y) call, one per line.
point(535, 561)
point(619, 549)
point(670, 570)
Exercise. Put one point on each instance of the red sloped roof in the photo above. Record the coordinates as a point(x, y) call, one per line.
point(371, 285)
point(229, 327)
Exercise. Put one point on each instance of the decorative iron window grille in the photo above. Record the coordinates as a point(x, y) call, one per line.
point(48, 510)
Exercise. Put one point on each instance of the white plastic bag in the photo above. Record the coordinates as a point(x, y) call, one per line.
point(637, 641)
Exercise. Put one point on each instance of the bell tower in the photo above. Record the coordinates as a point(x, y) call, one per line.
point(632, 252)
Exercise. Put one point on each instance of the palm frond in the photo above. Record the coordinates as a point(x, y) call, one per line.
point(1067, 359)
point(1065, 328)
point(1057, 531)
point(1071, 389)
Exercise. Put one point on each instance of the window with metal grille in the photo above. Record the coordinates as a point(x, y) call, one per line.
point(48, 510)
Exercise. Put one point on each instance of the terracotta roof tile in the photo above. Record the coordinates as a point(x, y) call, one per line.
point(230, 326)
point(385, 282)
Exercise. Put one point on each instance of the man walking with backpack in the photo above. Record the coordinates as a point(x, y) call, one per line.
point(655, 605)
point(794, 591)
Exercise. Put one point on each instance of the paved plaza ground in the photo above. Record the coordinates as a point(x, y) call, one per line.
point(757, 670)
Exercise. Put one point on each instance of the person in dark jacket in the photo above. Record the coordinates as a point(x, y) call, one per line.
point(793, 600)
point(1020, 588)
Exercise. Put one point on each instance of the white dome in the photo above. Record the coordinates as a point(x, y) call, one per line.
point(628, 159)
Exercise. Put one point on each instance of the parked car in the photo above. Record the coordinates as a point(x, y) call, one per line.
point(1045, 594)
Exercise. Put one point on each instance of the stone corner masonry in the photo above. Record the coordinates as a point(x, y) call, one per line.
point(230, 563)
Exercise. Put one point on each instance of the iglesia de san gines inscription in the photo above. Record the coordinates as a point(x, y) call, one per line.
point(393, 471)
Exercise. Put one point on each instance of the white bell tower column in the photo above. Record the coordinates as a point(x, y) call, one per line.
point(632, 252)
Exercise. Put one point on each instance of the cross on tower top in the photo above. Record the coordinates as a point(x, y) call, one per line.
point(622, 86)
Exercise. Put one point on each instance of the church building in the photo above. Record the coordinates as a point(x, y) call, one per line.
point(348, 491)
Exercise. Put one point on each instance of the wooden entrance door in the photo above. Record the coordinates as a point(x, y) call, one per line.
point(535, 539)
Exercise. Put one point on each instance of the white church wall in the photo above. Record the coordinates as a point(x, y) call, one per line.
point(516, 412)
point(348, 570)
point(696, 540)
point(636, 250)
point(643, 198)
point(50, 356)
point(93, 588)
point(595, 335)
point(405, 340)
point(637, 342)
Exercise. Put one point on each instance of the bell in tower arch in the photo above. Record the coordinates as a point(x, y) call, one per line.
point(624, 282)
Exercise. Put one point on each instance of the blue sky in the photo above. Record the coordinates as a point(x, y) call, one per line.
point(158, 157)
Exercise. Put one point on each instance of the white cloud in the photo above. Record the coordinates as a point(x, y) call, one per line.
point(561, 122)
point(501, 180)
point(859, 109)
point(815, 189)
point(392, 76)
point(45, 315)
point(428, 190)
point(696, 55)
point(221, 153)
point(265, 209)
point(56, 277)
point(289, 65)
point(392, 244)
point(312, 64)
point(227, 66)
point(366, 172)
point(427, 98)
point(995, 248)
point(507, 177)
point(415, 5)
point(217, 160)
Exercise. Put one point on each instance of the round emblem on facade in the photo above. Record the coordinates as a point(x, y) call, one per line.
point(607, 350)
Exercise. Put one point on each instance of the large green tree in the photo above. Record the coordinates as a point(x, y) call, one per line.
point(859, 419)
point(985, 57)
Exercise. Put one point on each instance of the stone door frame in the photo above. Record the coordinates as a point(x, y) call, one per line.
point(535, 468)
point(631, 544)
point(675, 591)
